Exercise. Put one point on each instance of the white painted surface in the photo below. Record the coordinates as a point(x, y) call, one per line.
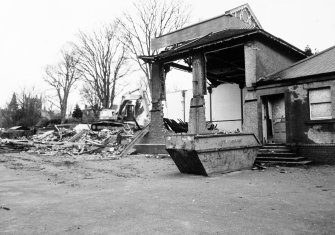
point(226, 104)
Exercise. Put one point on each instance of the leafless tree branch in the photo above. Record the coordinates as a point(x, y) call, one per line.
point(150, 19)
point(103, 61)
point(63, 76)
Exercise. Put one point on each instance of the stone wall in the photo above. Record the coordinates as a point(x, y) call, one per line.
point(156, 130)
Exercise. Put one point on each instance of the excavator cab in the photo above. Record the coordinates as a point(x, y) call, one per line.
point(133, 110)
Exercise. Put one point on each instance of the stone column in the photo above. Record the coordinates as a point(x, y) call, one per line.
point(250, 111)
point(157, 78)
point(153, 142)
point(157, 129)
point(197, 122)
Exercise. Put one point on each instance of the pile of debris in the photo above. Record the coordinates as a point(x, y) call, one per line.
point(182, 127)
point(76, 140)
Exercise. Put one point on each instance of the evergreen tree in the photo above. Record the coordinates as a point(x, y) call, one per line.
point(308, 51)
point(13, 106)
point(10, 113)
point(77, 113)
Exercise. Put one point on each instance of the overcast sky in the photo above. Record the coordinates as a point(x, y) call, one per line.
point(32, 32)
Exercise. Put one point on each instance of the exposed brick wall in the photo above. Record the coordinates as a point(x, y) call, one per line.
point(318, 153)
point(156, 130)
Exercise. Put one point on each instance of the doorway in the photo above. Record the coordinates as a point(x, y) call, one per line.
point(273, 119)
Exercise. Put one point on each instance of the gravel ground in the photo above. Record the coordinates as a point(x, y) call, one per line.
point(139, 194)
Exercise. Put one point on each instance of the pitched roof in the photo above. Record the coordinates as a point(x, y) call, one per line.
point(223, 37)
point(321, 63)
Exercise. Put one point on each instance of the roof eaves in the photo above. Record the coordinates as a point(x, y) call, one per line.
point(147, 59)
point(260, 83)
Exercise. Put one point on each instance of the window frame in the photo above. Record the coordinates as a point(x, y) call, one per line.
point(323, 102)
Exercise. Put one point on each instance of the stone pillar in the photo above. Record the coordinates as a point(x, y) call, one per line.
point(157, 129)
point(197, 122)
point(153, 142)
point(250, 62)
point(250, 112)
point(157, 78)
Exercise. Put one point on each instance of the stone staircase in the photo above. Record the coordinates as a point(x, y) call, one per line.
point(279, 154)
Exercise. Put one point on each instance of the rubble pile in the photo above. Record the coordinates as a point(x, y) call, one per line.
point(72, 141)
point(182, 127)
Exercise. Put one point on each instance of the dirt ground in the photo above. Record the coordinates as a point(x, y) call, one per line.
point(42, 194)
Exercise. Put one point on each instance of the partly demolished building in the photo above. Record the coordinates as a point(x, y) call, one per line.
point(296, 106)
point(233, 50)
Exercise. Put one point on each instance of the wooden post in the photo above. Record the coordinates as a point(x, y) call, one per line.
point(197, 122)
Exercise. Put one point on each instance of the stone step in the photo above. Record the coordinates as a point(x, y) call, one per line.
point(288, 159)
point(271, 144)
point(285, 163)
point(275, 147)
point(277, 154)
point(272, 150)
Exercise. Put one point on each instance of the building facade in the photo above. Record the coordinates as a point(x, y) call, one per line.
point(296, 106)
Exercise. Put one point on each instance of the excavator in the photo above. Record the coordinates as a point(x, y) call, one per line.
point(133, 111)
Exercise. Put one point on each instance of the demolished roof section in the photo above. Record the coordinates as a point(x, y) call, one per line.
point(229, 37)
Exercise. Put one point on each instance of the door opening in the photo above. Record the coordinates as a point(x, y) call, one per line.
point(273, 119)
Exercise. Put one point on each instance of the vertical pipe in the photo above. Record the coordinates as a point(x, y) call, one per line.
point(210, 90)
point(241, 95)
point(183, 102)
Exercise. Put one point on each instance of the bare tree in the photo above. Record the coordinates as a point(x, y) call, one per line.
point(89, 94)
point(103, 61)
point(150, 19)
point(62, 77)
point(30, 106)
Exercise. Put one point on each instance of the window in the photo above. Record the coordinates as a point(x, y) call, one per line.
point(320, 103)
